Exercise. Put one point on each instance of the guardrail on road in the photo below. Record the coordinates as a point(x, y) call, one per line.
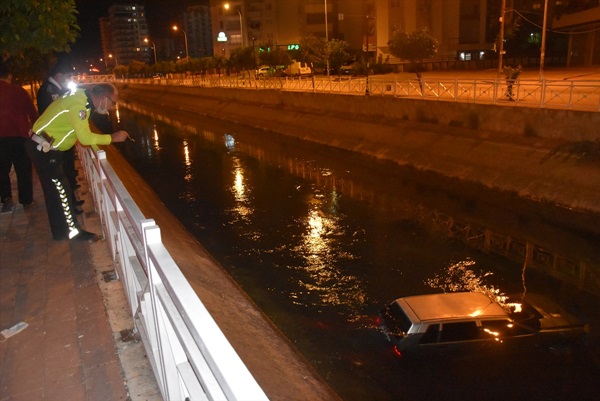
point(556, 94)
point(190, 356)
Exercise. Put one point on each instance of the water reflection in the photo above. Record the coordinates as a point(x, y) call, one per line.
point(325, 283)
point(322, 241)
point(242, 208)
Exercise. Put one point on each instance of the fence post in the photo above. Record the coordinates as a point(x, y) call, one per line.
point(571, 94)
point(456, 89)
point(543, 94)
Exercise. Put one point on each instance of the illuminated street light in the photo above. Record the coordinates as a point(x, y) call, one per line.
point(115, 57)
point(226, 6)
point(146, 40)
point(175, 28)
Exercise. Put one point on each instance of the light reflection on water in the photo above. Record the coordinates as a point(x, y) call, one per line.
point(321, 250)
point(325, 283)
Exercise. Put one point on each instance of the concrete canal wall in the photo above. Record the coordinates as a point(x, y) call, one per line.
point(540, 154)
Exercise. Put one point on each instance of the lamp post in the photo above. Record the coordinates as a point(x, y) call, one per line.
point(327, 38)
point(115, 57)
point(227, 6)
point(543, 49)
point(175, 28)
point(146, 40)
point(367, 51)
point(501, 52)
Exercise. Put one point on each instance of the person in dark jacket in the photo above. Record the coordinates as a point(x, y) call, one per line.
point(17, 115)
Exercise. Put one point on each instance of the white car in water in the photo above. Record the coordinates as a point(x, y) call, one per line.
point(451, 323)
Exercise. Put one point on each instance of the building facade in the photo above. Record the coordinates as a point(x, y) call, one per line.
point(461, 26)
point(581, 21)
point(123, 32)
point(197, 24)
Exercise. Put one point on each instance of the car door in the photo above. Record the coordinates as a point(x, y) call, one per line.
point(461, 338)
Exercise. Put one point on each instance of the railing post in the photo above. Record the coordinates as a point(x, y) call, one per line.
point(571, 96)
point(543, 92)
point(456, 89)
point(495, 94)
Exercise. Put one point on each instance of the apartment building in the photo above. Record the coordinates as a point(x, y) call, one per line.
point(123, 32)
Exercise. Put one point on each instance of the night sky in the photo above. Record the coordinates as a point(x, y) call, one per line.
point(161, 14)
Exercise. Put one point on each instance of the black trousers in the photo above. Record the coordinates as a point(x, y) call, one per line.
point(69, 166)
point(57, 190)
point(12, 153)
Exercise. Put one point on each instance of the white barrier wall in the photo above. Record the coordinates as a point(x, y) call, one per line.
point(190, 356)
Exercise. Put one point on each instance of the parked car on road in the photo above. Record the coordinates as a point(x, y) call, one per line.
point(263, 71)
point(267, 71)
point(466, 321)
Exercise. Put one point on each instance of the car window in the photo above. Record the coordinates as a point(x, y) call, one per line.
point(397, 319)
point(462, 331)
point(503, 328)
point(431, 335)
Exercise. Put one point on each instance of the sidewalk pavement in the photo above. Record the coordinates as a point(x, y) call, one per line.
point(78, 344)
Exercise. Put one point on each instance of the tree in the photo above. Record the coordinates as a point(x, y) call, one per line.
point(415, 47)
point(338, 54)
point(220, 63)
point(313, 51)
point(45, 26)
point(276, 57)
point(242, 58)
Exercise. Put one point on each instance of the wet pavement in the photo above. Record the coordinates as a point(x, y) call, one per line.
point(73, 348)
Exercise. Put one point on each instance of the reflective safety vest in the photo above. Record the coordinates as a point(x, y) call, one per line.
point(66, 120)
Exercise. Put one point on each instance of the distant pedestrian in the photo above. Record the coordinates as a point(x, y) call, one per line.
point(17, 115)
point(56, 85)
point(65, 122)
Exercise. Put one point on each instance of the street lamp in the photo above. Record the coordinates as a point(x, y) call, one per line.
point(501, 44)
point(367, 55)
point(146, 40)
point(226, 6)
point(543, 49)
point(186, 44)
point(115, 57)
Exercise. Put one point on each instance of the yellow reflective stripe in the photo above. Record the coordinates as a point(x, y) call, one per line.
point(52, 119)
point(65, 137)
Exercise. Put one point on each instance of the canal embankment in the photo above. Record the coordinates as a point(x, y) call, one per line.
point(544, 155)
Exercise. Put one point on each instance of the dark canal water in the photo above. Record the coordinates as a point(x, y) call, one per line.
point(322, 239)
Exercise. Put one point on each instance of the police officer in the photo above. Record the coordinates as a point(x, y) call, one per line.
point(66, 121)
point(56, 85)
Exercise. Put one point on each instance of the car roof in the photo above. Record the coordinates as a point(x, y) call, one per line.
point(454, 305)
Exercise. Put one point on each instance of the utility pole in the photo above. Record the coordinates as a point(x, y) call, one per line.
point(327, 38)
point(543, 49)
point(501, 52)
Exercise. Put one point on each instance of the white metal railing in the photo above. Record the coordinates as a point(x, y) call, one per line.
point(190, 356)
point(558, 94)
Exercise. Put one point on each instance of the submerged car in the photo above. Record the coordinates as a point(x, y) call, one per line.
point(453, 322)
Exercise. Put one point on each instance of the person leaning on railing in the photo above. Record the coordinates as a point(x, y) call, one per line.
point(63, 123)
